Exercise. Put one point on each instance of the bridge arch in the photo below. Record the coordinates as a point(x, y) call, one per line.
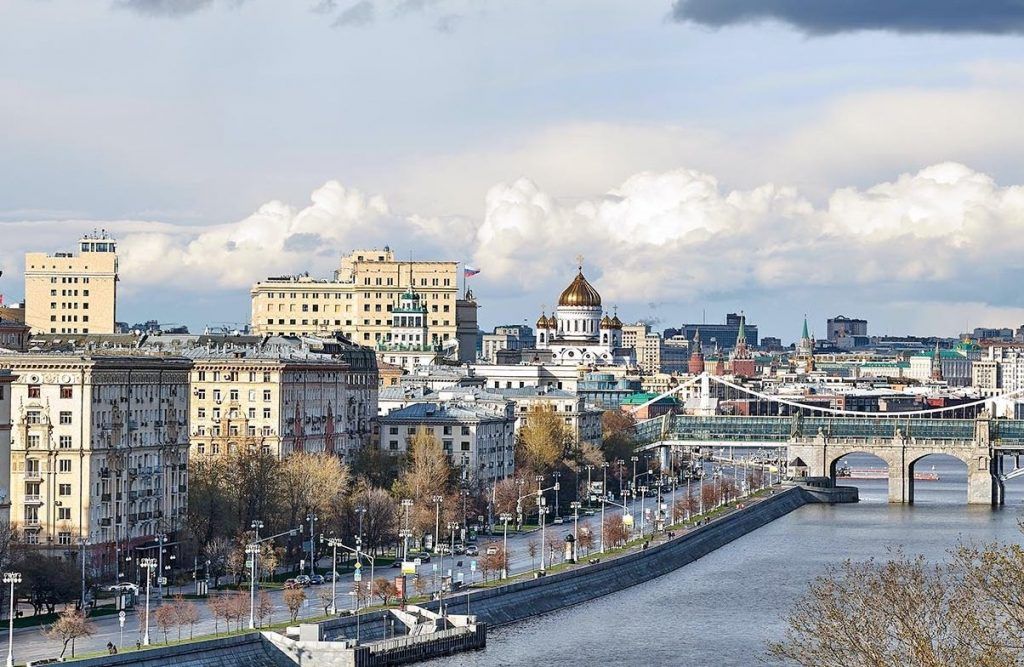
point(840, 457)
point(922, 464)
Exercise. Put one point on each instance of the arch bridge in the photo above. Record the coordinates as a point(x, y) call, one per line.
point(818, 440)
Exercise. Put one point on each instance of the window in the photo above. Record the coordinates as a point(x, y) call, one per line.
point(33, 417)
point(63, 465)
point(201, 413)
point(64, 513)
point(201, 394)
point(64, 490)
point(65, 391)
point(266, 377)
point(65, 417)
point(33, 441)
point(64, 537)
point(33, 391)
point(65, 442)
point(266, 413)
point(233, 394)
point(266, 394)
point(394, 430)
point(216, 394)
point(252, 413)
point(202, 376)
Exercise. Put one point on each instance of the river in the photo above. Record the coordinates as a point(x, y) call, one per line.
point(721, 609)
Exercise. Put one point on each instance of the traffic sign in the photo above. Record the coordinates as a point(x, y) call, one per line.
point(357, 575)
point(472, 565)
point(418, 561)
point(358, 565)
point(120, 618)
point(162, 581)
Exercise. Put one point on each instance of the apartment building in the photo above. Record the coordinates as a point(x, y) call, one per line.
point(359, 299)
point(282, 398)
point(6, 378)
point(480, 442)
point(99, 452)
point(70, 292)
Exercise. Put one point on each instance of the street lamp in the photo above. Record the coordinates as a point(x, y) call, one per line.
point(11, 578)
point(405, 533)
point(643, 493)
point(505, 518)
point(161, 539)
point(333, 542)
point(311, 517)
point(604, 496)
point(575, 506)
point(556, 474)
point(148, 564)
point(437, 521)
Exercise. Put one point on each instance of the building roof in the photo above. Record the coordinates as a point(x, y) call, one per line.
point(580, 293)
point(448, 411)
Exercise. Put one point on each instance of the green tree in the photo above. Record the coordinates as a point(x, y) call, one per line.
point(47, 582)
point(617, 441)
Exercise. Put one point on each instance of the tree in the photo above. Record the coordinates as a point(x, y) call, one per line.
point(375, 466)
point(216, 605)
point(69, 626)
point(47, 582)
point(326, 596)
point(188, 614)
point(235, 561)
point(264, 608)
point(688, 505)
point(709, 496)
point(380, 516)
point(384, 589)
point(420, 584)
point(294, 599)
point(543, 440)
point(310, 483)
point(532, 547)
point(493, 562)
point(210, 511)
point(216, 551)
point(615, 533)
point(165, 617)
point(585, 538)
point(617, 439)
point(235, 608)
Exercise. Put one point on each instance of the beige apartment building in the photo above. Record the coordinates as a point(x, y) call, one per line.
point(282, 401)
point(6, 378)
point(358, 301)
point(99, 452)
point(73, 293)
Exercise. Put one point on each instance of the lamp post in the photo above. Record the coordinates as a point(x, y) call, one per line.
point(505, 518)
point(634, 459)
point(161, 539)
point(334, 542)
point(81, 550)
point(148, 564)
point(311, 517)
point(543, 510)
point(11, 578)
point(643, 493)
point(556, 474)
point(405, 533)
point(437, 521)
point(252, 550)
point(575, 506)
point(604, 496)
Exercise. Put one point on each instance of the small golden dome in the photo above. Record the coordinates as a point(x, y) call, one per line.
point(580, 293)
point(542, 321)
point(616, 322)
point(606, 322)
point(552, 322)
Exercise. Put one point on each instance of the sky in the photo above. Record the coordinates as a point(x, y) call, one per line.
point(780, 157)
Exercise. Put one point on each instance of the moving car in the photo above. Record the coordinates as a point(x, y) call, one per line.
point(303, 580)
point(123, 588)
point(491, 550)
point(422, 555)
point(289, 584)
point(316, 580)
point(460, 549)
point(472, 550)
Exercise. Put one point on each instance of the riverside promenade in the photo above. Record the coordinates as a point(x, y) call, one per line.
point(524, 598)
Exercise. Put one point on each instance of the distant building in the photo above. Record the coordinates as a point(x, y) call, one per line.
point(508, 337)
point(73, 292)
point(721, 335)
point(842, 326)
point(606, 391)
point(480, 442)
point(359, 299)
point(6, 378)
point(651, 408)
point(14, 335)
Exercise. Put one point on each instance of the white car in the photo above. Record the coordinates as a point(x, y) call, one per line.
point(123, 588)
point(492, 550)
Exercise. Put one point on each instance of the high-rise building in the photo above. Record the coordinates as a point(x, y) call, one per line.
point(842, 326)
point(359, 299)
point(73, 293)
point(99, 452)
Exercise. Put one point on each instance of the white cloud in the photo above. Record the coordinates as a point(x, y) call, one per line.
point(945, 233)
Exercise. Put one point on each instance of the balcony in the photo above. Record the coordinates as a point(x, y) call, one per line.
point(33, 499)
point(105, 497)
point(31, 524)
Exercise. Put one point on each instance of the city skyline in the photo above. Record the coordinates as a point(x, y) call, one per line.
point(759, 160)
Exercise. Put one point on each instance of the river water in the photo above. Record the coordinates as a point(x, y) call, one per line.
point(721, 609)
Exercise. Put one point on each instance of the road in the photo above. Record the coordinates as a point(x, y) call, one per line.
point(30, 644)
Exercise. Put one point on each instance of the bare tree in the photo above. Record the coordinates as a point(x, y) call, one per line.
point(615, 533)
point(532, 548)
point(585, 538)
point(216, 605)
point(420, 584)
point(384, 589)
point(264, 608)
point(165, 616)
point(188, 614)
point(326, 597)
point(69, 626)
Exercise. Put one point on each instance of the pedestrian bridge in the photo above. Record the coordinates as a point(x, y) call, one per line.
point(817, 441)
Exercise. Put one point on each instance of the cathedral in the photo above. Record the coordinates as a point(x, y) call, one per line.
point(579, 332)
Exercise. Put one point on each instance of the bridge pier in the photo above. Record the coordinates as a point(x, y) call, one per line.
point(901, 484)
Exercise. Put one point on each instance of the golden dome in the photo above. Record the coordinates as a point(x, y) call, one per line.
point(542, 321)
point(606, 322)
point(552, 322)
point(580, 293)
point(616, 322)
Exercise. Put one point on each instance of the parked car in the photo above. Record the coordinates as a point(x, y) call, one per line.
point(291, 583)
point(422, 555)
point(397, 564)
point(559, 519)
point(460, 549)
point(491, 550)
point(123, 588)
point(331, 576)
point(303, 580)
point(316, 580)
point(472, 550)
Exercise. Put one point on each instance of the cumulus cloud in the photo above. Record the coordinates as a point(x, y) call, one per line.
point(943, 234)
point(836, 16)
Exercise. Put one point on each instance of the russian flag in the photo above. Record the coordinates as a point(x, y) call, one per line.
point(469, 272)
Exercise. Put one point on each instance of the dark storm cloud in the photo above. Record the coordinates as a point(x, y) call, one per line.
point(826, 17)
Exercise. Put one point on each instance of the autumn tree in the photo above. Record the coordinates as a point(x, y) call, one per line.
point(264, 608)
point(165, 617)
point(69, 626)
point(507, 493)
point(615, 533)
point(427, 473)
point(310, 483)
point(326, 597)
point(688, 505)
point(377, 512)
point(493, 563)
point(294, 599)
point(543, 440)
point(188, 614)
point(420, 584)
point(617, 439)
point(384, 589)
point(709, 496)
point(216, 605)
point(585, 538)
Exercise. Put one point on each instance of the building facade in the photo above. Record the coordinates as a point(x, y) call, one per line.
point(358, 301)
point(99, 452)
point(6, 379)
point(73, 292)
point(479, 442)
point(13, 335)
point(281, 400)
